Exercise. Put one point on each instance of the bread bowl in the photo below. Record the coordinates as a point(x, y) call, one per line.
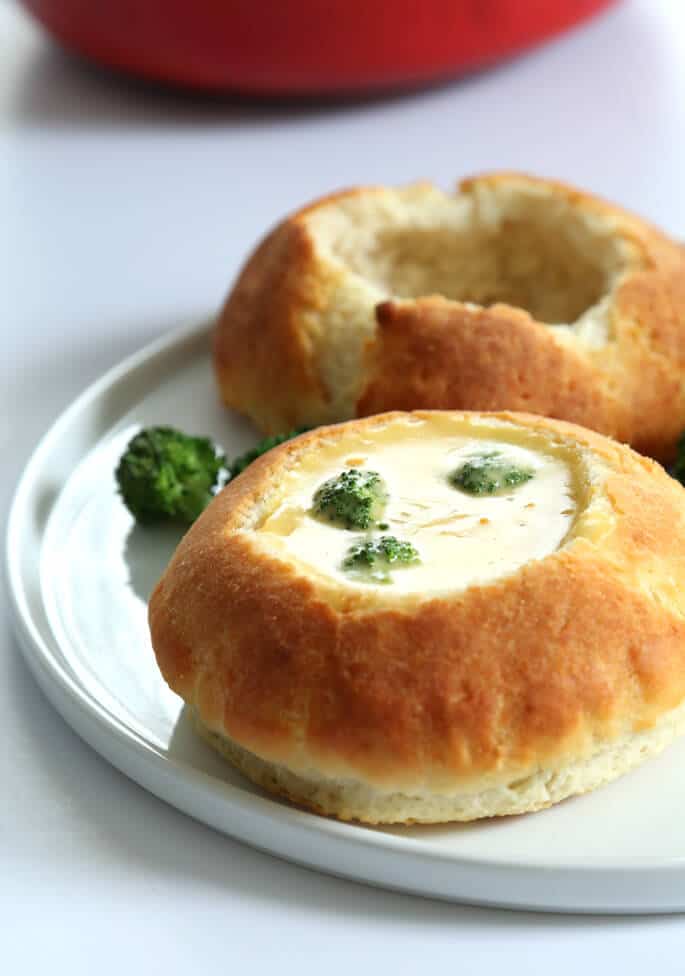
point(514, 293)
point(534, 651)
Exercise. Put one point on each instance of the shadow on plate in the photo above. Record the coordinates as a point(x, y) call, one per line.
point(190, 748)
point(148, 550)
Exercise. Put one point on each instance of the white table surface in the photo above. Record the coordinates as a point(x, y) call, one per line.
point(124, 213)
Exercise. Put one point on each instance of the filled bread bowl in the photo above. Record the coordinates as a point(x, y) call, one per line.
point(433, 616)
point(514, 293)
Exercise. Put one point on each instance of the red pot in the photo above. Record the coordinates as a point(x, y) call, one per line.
point(303, 46)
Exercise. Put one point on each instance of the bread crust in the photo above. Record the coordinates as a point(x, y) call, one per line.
point(443, 355)
point(437, 353)
point(461, 692)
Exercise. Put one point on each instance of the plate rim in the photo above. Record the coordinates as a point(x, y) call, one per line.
point(78, 707)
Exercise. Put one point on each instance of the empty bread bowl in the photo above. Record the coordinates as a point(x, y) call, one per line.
point(514, 293)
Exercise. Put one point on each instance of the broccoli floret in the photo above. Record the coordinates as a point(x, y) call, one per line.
point(374, 558)
point(353, 499)
point(238, 465)
point(489, 473)
point(166, 475)
point(677, 469)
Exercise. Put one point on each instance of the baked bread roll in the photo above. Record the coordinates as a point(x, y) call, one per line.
point(515, 293)
point(498, 624)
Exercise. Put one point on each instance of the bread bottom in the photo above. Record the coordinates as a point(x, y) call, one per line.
point(353, 800)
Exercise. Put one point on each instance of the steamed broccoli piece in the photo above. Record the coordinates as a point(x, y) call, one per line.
point(677, 469)
point(165, 475)
point(354, 499)
point(374, 558)
point(489, 473)
point(238, 465)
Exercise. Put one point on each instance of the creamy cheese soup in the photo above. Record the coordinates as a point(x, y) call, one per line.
point(461, 538)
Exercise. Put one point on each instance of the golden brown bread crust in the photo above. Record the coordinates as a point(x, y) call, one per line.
point(263, 356)
point(535, 670)
point(443, 355)
point(265, 333)
point(437, 353)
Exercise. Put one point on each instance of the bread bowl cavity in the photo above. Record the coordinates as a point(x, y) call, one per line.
point(481, 695)
point(513, 293)
point(502, 243)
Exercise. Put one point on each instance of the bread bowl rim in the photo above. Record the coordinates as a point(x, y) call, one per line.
point(581, 461)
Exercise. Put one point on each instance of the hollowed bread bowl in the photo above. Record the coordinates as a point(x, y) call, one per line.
point(536, 651)
point(514, 293)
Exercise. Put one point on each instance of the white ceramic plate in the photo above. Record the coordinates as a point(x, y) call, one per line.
point(79, 575)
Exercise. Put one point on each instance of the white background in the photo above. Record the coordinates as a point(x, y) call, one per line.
point(124, 213)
